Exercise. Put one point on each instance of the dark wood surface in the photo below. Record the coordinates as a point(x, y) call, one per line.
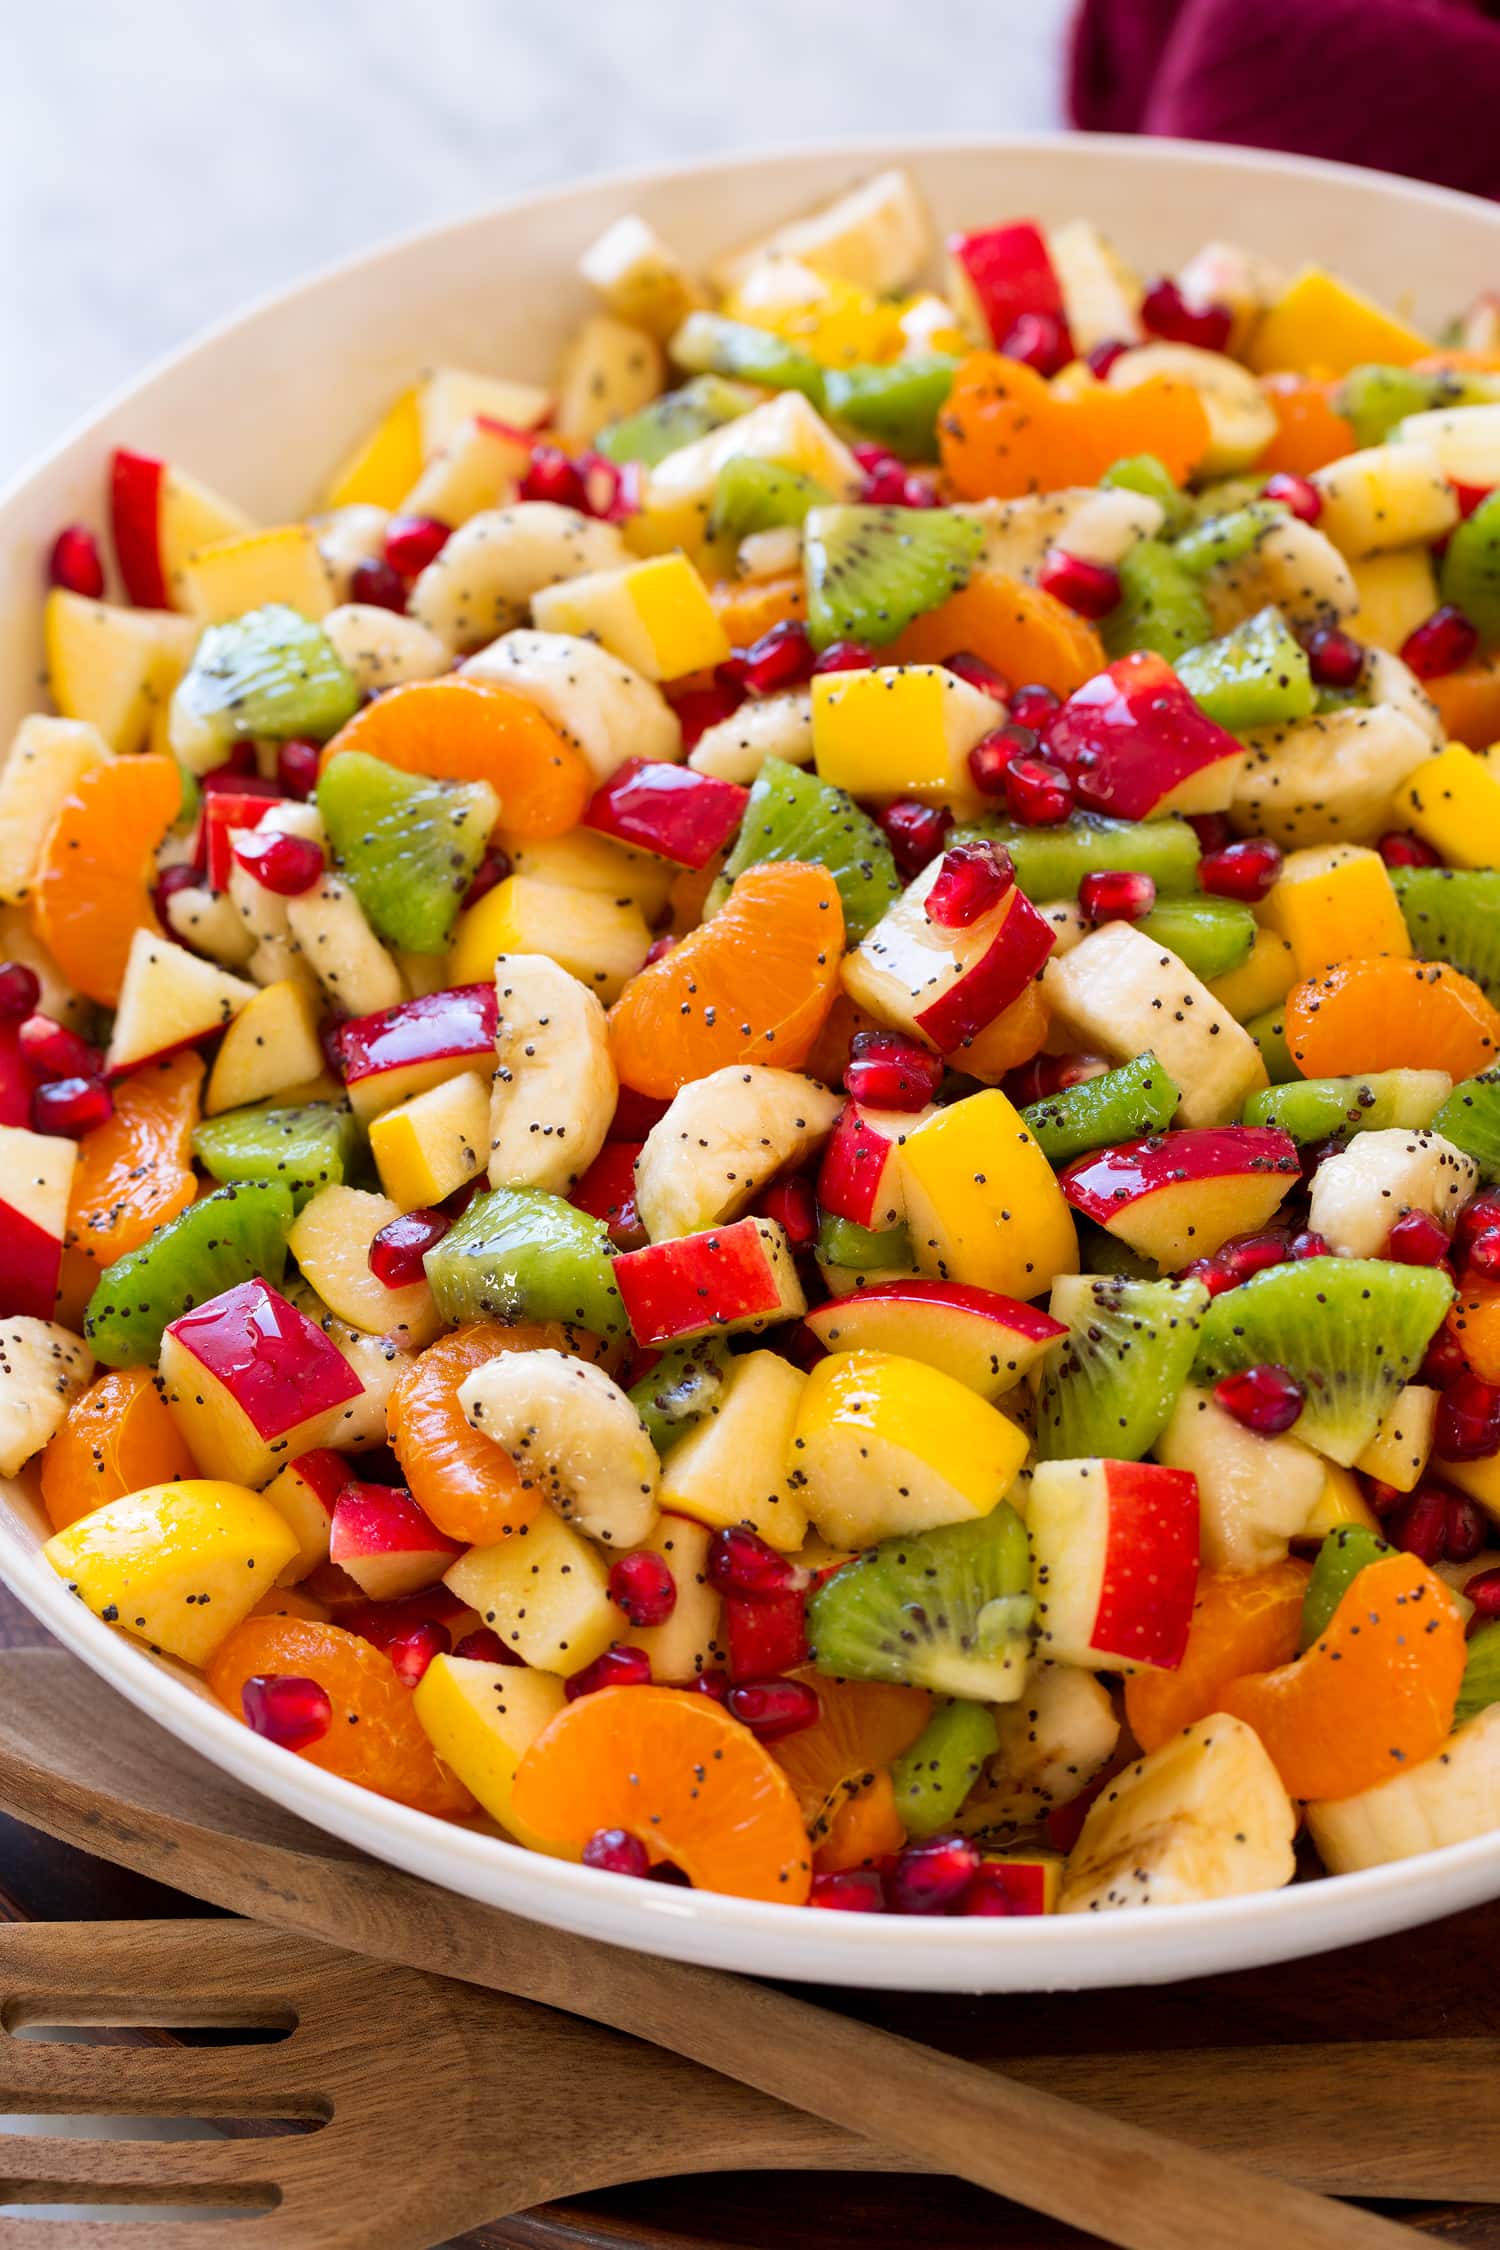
point(1441, 1981)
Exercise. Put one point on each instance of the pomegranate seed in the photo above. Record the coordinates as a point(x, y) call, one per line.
point(703, 708)
point(396, 1252)
point(1399, 847)
point(1039, 340)
point(713, 1683)
point(659, 948)
point(617, 1667)
point(1032, 706)
point(75, 564)
point(1467, 1528)
point(550, 475)
point(774, 1708)
point(991, 757)
point(765, 1635)
point(1484, 1254)
point(1443, 642)
point(1248, 1254)
point(1166, 313)
point(52, 1051)
point(286, 1709)
point(782, 658)
point(412, 1651)
point(71, 1106)
point(1103, 356)
point(847, 656)
point(239, 770)
point(1418, 1524)
point(1046, 1075)
point(1266, 1399)
point(1469, 496)
point(971, 881)
point(1214, 1277)
point(1384, 1499)
point(287, 865)
point(915, 833)
point(889, 1071)
point(920, 491)
point(1114, 895)
point(611, 489)
point(298, 765)
point(1212, 830)
point(1443, 1361)
point(884, 485)
point(1090, 589)
point(1416, 1239)
point(853, 1890)
point(378, 585)
point(972, 668)
point(617, 1852)
point(1310, 1245)
point(1481, 1212)
point(741, 1562)
point(1468, 1419)
point(1241, 871)
point(20, 990)
point(484, 1646)
point(412, 542)
point(932, 1876)
point(1296, 493)
point(794, 1207)
point(643, 1587)
point(996, 1891)
point(1336, 659)
point(1483, 1590)
point(1038, 794)
point(491, 871)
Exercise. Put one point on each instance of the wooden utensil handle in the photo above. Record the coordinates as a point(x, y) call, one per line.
point(1129, 2186)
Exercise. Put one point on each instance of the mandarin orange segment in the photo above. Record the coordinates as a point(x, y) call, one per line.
point(866, 1828)
point(135, 1171)
point(462, 729)
point(1468, 701)
point(93, 882)
point(1005, 432)
point(747, 611)
point(861, 1726)
point(1026, 634)
point(678, 1773)
point(754, 985)
point(1372, 1698)
point(375, 1738)
point(117, 1438)
point(1310, 432)
point(1474, 1324)
point(1380, 1013)
point(1247, 1622)
point(469, 1486)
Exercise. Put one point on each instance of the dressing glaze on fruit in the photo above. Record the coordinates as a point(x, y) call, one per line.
point(750, 1121)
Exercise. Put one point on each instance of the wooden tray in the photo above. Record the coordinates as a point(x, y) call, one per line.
point(1437, 1981)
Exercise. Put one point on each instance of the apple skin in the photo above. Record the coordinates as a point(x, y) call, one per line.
point(1017, 951)
point(401, 1051)
point(387, 1544)
point(223, 811)
point(276, 1365)
point(724, 1278)
point(987, 1340)
point(1010, 271)
point(1116, 1549)
point(304, 1492)
point(135, 487)
point(607, 1192)
point(860, 1175)
point(679, 815)
point(1179, 1195)
point(1133, 742)
point(16, 1081)
point(976, 972)
point(30, 1263)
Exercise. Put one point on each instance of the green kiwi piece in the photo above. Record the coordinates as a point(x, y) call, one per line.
point(686, 1383)
point(1227, 535)
point(1268, 1030)
point(271, 672)
point(870, 571)
point(1480, 1686)
point(1323, 1109)
point(896, 406)
point(676, 419)
point(307, 1147)
point(1470, 1119)
point(521, 1254)
point(1100, 1252)
point(752, 495)
point(793, 815)
point(933, 1777)
point(1453, 914)
point(708, 344)
point(1352, 1330)
point(1257, 675)
point(1144, 473)
point(1343, 1555)
point(949, 1610)
point(1375, 398)
point(1121, 1105)
point(845, 1243)
point(1210, 936)
point(233, 1235)
point(1469, 576)
point(1051, 863)
point(1110, 1387)
point(1161, 605)
point(409, 847)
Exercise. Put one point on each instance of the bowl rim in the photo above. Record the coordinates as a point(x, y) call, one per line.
point(1112, 1948)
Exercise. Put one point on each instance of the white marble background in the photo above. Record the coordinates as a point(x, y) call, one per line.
point(163, 162)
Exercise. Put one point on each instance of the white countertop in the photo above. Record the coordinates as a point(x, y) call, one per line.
point(163, 164)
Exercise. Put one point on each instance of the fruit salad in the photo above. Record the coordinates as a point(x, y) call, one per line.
point(750, 1119)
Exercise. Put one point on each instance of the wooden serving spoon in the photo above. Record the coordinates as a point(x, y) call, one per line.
point(79, 1763)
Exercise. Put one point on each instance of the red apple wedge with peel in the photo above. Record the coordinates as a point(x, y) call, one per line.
point(860, 1176)
point(1115, 1545)
point(740, 1276)
point(304, 1493)
point(225, 810)
point(170, 998)
point(388, 1057)
point(1135, 744)
point(1179, 1196)
point(252, 1382)
point(387, 1544)
point(1000, 273)
point(945, 984)
point(988, 1341)
point(36, 1175)
point(679, 815)
point(157, 517)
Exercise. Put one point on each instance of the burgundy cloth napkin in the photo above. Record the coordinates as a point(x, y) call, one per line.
point(1408, 86)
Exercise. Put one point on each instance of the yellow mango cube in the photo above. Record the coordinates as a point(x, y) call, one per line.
point(835, 322)
point(383, 467)
point(1340, 1502)
point(436, 1142)
point(177, 1565)
point(601, 941)
point(1320, 322)
point(655, 616)
point(546, 1595)
point(1265, 976)
point(1453, 802)
point(901, 730)
point(229, 576)
point(481, 1719)
point(1335, 902)
point(1396, 592)
point(982, 1202)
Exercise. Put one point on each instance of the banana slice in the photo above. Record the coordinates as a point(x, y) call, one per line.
point(1291, 565)
point(1359, 1194)
point(1051, 1745)
point(723, 1137)
point(381, 649)
point(329, 927)
point(1385, 497)
point(1101, 295)
point(574, 1435)
point(555, 1087)
point(1241, 422)
point(43, 1368)
point(604, 709)
point(1097, 526)
point(609, 370)
point(1396, 685)
point(481, 583)
point(1204, 1817)
point(348, 537)
point(1118, 992)
point(1446, 1800)
point(1330, 779)
point(778, 726)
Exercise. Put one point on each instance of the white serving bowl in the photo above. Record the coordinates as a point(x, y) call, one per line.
point(261, 409)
